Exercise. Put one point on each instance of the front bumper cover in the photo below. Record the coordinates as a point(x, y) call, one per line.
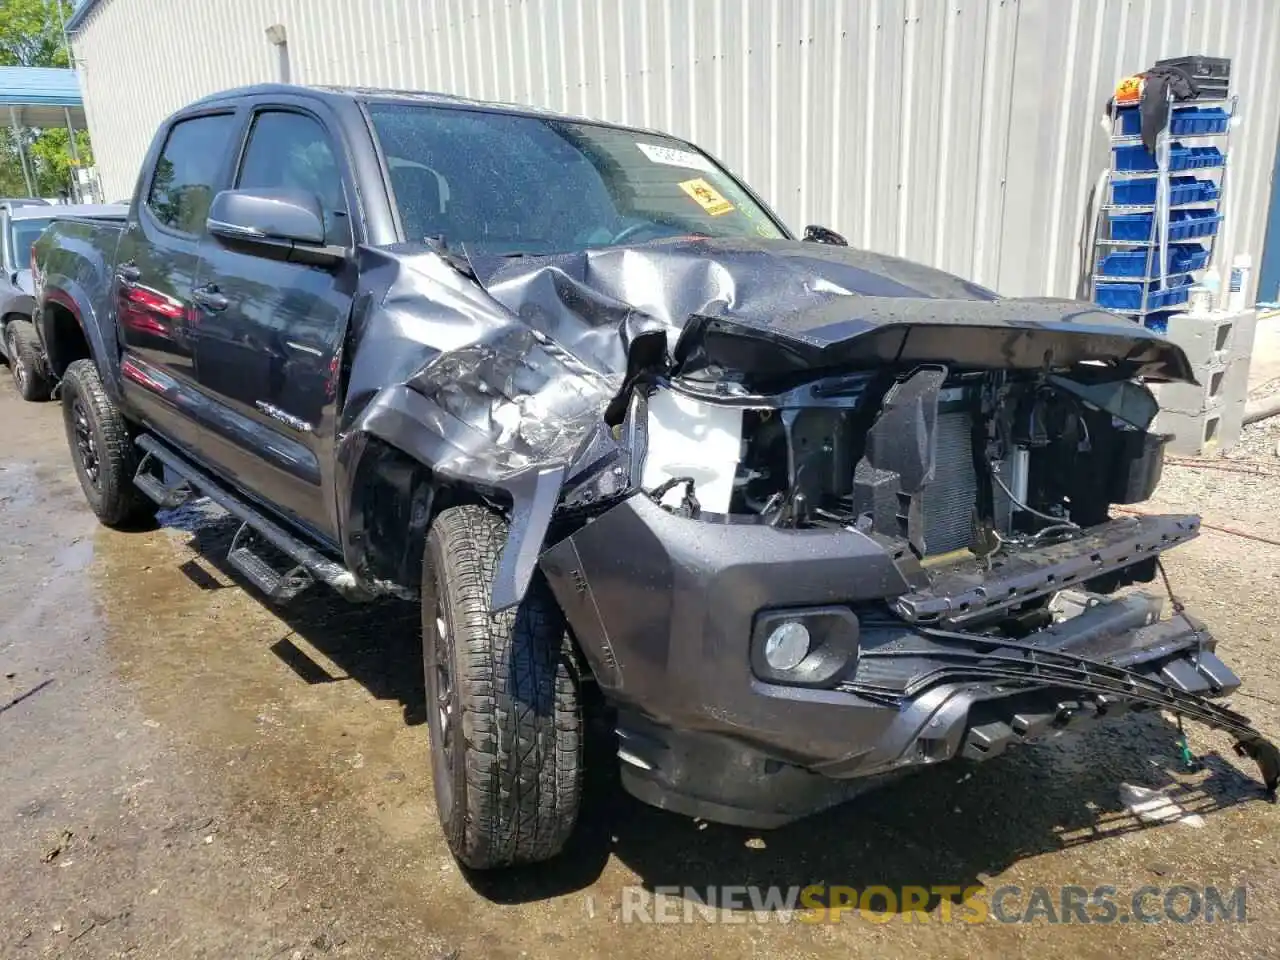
point(663, 607)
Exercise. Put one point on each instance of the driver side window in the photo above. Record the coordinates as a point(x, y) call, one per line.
point(290, 150)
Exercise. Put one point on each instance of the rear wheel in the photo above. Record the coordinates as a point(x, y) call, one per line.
point(101, 448)
point(23, 350)
point(503, 704)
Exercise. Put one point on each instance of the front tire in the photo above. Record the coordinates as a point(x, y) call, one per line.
point(503, 704)
point(101, 449)
point(24, 361)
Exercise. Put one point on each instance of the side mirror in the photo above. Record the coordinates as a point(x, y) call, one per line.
point(816, 234)
point(277, 224)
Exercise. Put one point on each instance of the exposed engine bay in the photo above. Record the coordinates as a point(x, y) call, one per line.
point(951, 464)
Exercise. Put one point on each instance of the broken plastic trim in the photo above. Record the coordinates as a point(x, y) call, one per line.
point(984, 657)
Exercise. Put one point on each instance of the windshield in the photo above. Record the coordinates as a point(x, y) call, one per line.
point(25, 233)
point(506, 184)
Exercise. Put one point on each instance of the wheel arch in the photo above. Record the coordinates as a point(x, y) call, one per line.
point(397, 431)
point(70, 329)
point(64, 337)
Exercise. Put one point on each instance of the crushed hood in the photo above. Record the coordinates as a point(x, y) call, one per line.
point(522, 361)
point(756, 309)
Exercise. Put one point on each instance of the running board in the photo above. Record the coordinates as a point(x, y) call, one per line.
point(251, 565)
point(165, 495)
point(243, 557)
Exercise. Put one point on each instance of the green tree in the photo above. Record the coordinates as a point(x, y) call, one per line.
point(31, 36)
point(31, 33)
point(52, 158)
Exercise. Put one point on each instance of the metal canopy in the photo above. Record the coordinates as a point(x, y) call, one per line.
point(41, 97)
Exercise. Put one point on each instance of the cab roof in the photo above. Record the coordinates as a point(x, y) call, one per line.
point(410, 97)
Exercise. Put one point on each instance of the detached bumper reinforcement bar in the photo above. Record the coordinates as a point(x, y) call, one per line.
point(962, 593)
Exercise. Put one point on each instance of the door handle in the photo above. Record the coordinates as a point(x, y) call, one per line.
point(128, 273)
point(209, 298)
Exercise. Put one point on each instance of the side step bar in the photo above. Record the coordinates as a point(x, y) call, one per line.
point(310, 565)
point(166, 495)
point(255, 568)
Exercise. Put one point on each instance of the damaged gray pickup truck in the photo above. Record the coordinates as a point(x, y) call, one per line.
point(798, 518)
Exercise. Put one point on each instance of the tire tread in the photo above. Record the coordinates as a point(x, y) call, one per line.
point(24, 348)
point(117, 502)
point(519, 699)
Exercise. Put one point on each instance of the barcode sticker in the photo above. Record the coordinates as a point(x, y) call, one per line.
point(671, 157)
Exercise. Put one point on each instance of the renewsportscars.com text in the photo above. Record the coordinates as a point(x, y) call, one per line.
point(1103, 904)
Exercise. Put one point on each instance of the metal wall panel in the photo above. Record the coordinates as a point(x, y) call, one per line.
point(962, 133)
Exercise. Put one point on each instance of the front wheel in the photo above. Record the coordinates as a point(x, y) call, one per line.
point(24, 361)
point(503, 704)
point(101, 448)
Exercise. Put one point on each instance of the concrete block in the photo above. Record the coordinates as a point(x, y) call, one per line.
point(1244, 334)
point(1219, 384)
point(1213, 337)
point(1199, 435)
point(1204, 339)
point(1206, 418)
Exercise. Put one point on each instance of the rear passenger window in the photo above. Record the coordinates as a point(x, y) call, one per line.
point(291, 151)
point(182, 187)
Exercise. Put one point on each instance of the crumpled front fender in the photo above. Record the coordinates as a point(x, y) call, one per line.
point(418, 427)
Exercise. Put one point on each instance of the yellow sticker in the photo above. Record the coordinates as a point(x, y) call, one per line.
point(706, 196)
point(1129, 90)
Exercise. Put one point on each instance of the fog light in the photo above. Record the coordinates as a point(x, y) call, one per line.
point(787, 645)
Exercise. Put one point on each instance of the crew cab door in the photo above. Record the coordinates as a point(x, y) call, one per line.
point(156, 264)
point(270, 332)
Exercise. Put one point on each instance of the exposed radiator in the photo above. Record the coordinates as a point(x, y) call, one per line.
point(947, 502)
point(950, 499)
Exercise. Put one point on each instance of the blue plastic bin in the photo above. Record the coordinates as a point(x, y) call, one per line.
point(1159, 322)
point(1186, 224)
point(1133, 263)
point(1186, 121)
point(1130, 121)
point(1142, 191)
point(1202, 157)
point(1138, 158)
point(1199, 120)
point(1183, 225)
point(1128, 296)
point(1131, 226)
point(1206, 193)
point(1187, 257)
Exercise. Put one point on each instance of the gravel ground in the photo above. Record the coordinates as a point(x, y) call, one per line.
point(188, 772)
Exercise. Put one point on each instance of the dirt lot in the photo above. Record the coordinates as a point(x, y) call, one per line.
point(185, 772)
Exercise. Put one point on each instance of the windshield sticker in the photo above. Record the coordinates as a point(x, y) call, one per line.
point(669, 156)
point(706, 196)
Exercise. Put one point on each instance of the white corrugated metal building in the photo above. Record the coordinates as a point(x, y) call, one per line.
point(961, 133)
